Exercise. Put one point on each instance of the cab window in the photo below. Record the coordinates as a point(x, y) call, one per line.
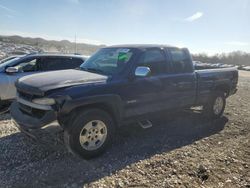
point(155, 60)
point(181, 62)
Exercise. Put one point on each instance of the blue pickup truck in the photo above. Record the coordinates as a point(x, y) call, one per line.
point(117, 85)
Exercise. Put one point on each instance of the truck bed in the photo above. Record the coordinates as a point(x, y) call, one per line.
point(209, 79)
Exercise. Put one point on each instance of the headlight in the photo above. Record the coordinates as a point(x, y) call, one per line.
point(44, 101)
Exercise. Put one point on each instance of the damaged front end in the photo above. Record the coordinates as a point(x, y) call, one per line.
point(31, 113)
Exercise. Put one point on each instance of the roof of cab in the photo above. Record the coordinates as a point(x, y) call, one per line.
point(141, 46)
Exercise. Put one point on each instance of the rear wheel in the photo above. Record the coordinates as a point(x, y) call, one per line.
point(90, 134)
point(215, 107)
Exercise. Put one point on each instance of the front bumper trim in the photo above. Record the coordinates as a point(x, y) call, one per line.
point(26, 121)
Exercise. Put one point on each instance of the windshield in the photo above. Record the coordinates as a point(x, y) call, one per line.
point(7, 59)
point(9, 62)
point(108, 61)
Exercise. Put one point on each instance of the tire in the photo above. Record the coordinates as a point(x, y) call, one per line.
point(4, 104)
point(1, 104)
point(216, 106)
point(90, 134)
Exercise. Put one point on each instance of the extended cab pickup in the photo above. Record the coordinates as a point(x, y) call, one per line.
point(118, 84)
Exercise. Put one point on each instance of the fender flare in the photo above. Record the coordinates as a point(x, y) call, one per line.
point(111, 101)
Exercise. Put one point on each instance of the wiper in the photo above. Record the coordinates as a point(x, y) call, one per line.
point(93, 70)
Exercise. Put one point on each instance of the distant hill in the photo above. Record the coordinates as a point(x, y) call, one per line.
point(63, 46)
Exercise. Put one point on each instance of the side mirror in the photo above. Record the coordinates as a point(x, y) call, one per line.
point(11, 70)
point(142, 71)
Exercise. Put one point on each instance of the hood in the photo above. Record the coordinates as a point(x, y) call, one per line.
point(2, 68)
point(42, 82)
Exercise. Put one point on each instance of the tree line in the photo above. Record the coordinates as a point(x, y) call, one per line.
point(232, 58)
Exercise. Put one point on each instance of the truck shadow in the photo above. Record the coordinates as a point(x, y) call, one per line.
point(132, 144)
point(4, 115)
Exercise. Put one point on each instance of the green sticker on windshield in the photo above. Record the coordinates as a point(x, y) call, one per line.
point(122, 56)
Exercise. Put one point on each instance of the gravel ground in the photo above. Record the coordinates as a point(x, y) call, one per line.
point(180, 150)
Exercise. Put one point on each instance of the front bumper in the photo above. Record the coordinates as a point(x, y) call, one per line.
point(233, 91)
point(27, 121)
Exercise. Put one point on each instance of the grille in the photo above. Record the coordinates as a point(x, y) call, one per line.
point(31, 111)
point(25, 96)
point(26, 109)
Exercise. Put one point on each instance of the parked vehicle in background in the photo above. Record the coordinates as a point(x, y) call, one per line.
point(117, 85)
point(20, 66)
point(247, 68)
point(198, 65)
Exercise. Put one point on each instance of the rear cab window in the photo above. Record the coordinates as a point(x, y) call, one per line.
point(181, 61)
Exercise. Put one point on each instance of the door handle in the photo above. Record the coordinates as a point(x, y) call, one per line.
point(179, 85)
point(174, 84)
point(184, 85)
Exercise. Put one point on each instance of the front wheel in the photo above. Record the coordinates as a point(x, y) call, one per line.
point(90, 134)
point(215, 107)
point(4, 106)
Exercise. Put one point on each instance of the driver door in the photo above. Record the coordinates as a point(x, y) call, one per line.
point(146, 94)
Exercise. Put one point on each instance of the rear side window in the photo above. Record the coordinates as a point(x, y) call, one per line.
point(155, 60)
point(180, 61)
point(71, 63)
point(52, 63)
point(60, 63)
point(76, 62)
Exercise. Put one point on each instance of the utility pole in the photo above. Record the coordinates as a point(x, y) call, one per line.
point(75, 45)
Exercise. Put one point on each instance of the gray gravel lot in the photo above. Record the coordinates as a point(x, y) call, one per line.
point(181, 150)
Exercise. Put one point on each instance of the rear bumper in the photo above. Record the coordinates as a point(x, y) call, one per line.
point(26, 121)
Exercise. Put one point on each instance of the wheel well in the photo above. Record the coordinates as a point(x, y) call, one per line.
point(103, 106)
point(224, 88)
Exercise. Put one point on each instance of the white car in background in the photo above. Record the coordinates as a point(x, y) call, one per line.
point(17, 67)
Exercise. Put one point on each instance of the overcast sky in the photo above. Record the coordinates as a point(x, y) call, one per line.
point(210, 26)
